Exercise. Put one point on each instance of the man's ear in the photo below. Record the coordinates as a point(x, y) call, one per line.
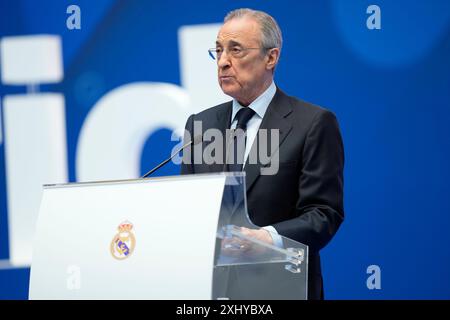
point(272, 58)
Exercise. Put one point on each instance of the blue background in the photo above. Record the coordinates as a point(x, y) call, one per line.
point(389, 88)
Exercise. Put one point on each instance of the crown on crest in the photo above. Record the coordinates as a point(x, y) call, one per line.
point(125, 226)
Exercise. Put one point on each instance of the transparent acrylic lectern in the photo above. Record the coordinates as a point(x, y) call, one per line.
point(246, 268)
point(181, 237)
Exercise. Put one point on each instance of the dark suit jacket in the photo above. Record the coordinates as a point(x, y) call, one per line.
point(304, 200)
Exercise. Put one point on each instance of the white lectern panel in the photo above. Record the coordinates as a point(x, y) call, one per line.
point(78, 222)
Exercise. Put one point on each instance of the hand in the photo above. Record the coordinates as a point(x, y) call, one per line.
point(236, 246)
point(259, 234)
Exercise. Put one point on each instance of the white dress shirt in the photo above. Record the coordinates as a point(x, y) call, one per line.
point(259, 105)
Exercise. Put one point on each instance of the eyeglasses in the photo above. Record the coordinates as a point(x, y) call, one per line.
point(235, 52)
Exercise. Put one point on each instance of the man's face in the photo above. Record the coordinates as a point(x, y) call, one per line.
point(245, 77)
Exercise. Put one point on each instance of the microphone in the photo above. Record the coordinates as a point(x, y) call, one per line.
point(193, 142)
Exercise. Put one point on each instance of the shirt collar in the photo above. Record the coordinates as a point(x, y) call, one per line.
point(259, 105)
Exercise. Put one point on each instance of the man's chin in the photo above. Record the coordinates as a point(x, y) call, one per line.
point(229, 91)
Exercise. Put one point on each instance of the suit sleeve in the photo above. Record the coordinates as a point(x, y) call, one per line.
point(320, 206)
point(187, 166)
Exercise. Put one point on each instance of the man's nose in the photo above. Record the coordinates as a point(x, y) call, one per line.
point(223, 60)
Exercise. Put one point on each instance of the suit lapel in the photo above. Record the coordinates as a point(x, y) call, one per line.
point(222, 123)
point(276, 117)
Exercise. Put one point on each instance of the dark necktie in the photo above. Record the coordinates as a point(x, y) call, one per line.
point(235, 163)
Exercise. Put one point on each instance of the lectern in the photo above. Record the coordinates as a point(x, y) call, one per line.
point(175, 237)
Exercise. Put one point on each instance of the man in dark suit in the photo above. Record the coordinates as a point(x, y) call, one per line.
point(304, 199)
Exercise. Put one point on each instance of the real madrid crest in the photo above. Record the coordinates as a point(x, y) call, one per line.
point(123, 243)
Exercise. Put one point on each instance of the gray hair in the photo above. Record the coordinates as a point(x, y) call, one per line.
point(270, 31)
